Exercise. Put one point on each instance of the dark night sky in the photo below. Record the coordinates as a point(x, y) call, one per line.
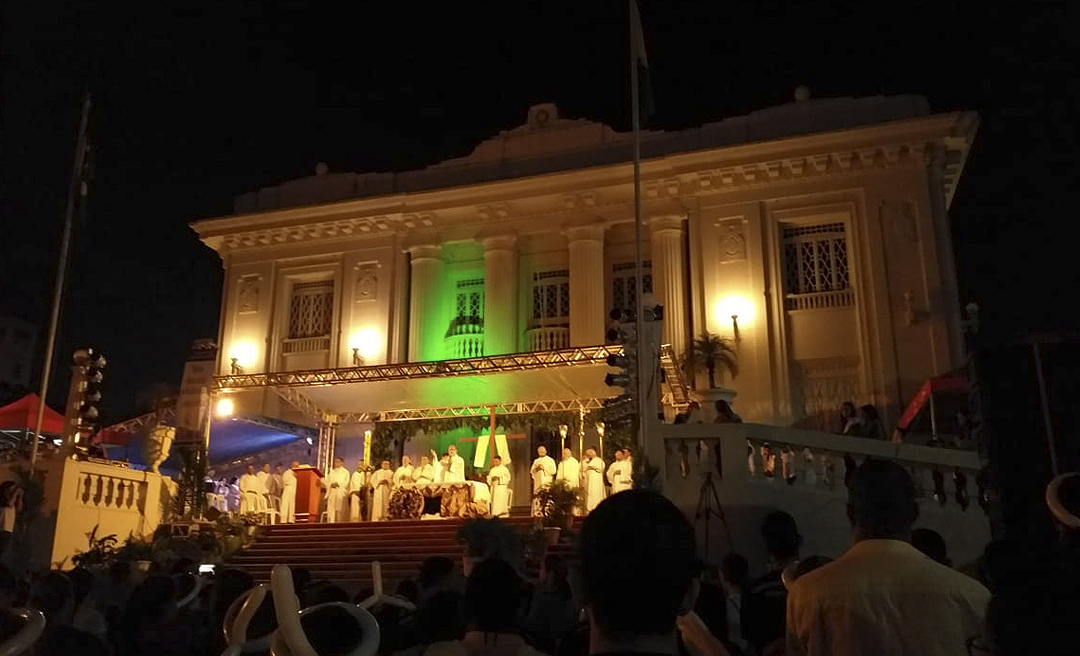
point(197, 102)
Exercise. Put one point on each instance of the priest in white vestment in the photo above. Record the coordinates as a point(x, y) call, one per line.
point(619, 473)
point(337, 492)
point(456, 473)
point(276, 482)
point(267, 484)
point(499, 481)
point(288, 494)
point(404, 473)
point(592, 476)
point(380, 497)
point(357, 484)
point(542, 471)
point(569, 472)
point(424, 473)
point(251, 492)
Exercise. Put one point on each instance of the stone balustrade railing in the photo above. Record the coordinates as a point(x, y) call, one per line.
point(465, 345)
point(305, 345)
point(110, 491)
point(755, 467)
point(548, 338)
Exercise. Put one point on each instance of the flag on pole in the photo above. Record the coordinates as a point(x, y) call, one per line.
point(641, 60)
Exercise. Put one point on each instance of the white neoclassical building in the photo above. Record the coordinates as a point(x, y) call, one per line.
point(816, 232)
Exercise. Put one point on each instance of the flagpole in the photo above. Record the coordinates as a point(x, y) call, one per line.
point(639, 312)
point(76, 188)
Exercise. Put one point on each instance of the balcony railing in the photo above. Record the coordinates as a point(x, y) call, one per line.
point(548, 338)
point(819, 300)
point(465, 338)
point(305, 345)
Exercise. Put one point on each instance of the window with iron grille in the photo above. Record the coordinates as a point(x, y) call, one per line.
point(624, 284)
point(815, 259)
point(551, 297)
point(311, 312)
point(469, 301)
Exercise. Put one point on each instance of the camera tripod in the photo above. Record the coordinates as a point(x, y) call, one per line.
point(706, 498)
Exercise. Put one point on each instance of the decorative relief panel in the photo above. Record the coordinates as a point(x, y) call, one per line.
point(248, 294)
point(367, 282)
point(898, 220)
point(732, 240)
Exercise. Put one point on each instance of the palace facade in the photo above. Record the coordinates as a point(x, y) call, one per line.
point(816, 234)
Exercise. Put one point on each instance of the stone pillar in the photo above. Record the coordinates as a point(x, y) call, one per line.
point(425, 303)
point(587, 312)
point(500, 295)
point(669, 277)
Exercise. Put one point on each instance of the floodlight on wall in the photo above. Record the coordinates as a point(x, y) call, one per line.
point(366, 344)
point(235, 368)
point(735, 326)
point(241, 356)
point(225, 407)
point(357, 359)
point(736, 307)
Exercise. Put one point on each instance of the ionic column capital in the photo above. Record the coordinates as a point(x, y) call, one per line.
point(504, 242)
point(593, 232)
point(666, 222)
point(425, 251)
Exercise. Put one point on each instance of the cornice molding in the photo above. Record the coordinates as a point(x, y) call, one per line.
point(680, 177)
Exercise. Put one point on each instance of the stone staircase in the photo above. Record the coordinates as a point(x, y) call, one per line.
point(343, 553)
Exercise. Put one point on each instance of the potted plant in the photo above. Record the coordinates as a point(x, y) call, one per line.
point(557, 503)
point(100, 553)
point(714, 355)
point(139, 554)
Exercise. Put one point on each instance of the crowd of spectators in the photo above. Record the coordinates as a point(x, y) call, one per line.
point(636, 586)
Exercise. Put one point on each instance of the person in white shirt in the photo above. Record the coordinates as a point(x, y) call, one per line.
point(542, 471)
point(425, 472)
point(265, 481)
point(288, 494)
point(883, 596)
point(357, 486)
point(569, 472)
point(593, 478)
point(499, 481)
point(442, 469)
point(233, 496)
point(618, 473)
point(251, 492)
point(380, 497)
point(456, 473)
point(337, 490)
point(404, 473)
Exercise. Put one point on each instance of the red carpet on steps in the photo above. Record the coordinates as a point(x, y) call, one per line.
point(343, 553)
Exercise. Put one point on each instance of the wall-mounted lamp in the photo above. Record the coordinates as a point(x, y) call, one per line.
point(235, 367)
point(357, 359)
point(225, 407)
point(735, 326)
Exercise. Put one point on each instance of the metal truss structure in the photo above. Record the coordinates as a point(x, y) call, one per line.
point(133, 425)
point(289, 384)
point(488, 364)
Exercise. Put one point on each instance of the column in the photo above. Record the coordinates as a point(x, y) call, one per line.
point(669, 277)
point(425, 303)
point(587, 312)
point(500, 295)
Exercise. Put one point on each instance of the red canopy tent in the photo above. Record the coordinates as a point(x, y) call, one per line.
point(22, 416)
point(934, 406)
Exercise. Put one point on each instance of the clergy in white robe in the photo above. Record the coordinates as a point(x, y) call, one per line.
point(592, 477)
point(569, 469)
point(357, 486)
point(233, 495)
point(542, 471)
point(288, 494)
point(499, 481)
point(276, 482)
point(251, 492)
point(619, 473)
point(404, 473)
point(380, 497)
point(424, 473)
point(337, 492)
point(456, 473)
point(264, 480)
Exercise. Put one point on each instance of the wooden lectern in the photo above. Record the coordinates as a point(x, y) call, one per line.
point(308, 493)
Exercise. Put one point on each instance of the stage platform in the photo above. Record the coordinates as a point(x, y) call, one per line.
point(343, 552)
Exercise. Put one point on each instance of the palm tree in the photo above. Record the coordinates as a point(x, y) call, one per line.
point(711, 352)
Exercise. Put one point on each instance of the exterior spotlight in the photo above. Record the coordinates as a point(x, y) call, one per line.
point(225, 407)
point(357, 359)
point(235, 367)
point(310, 441)
point(735, 326)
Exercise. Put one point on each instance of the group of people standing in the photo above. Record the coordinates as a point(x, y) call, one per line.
point(589, 473)
point(362, 494)
point(268, 489)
